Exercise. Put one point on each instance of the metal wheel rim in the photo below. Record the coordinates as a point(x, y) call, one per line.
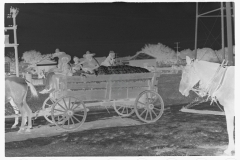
point(149, 112)
point(68, 117)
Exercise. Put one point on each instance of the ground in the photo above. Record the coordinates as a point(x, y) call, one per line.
point(174, 134)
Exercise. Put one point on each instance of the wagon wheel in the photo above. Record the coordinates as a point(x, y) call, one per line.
point(149, 106)
point(68, 113)
point(123, 109)
point(47, 106)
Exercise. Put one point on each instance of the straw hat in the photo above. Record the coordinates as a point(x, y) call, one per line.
point(88, 54)
point(65, 56)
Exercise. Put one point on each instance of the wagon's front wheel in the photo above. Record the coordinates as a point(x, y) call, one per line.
point(47, 106)
point(149, 106)
point(69, 113)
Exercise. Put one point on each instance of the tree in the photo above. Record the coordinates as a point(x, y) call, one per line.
point(205, 54)
point(10, 57)
point(32, 57)
point(163, 53)
point(220, 55)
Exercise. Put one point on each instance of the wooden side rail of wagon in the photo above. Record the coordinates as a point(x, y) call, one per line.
point(127, 93)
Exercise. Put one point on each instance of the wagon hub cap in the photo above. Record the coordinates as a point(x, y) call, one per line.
point(150, 106)
point(70, 113)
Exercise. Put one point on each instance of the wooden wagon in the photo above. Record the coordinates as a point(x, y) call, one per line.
point(127, 93)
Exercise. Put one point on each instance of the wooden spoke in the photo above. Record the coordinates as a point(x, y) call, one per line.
point(123, 109)
point(143, 112)
point(52, 100)
point(147, 98)
point(120, 108)
point(76, 119)
point(46, 107)
point(141, 103)
point(150, 112)
point(154, 113)
point(48, 104)
point(146, 115)
point(65, 103)
point(62, 119)
point(58, 110)
point(72, 120)
point(157, 109)
point(68, 122)
point(69, 103)
point(75, 106)
point(61, 106)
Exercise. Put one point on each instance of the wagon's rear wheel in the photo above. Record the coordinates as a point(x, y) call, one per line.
point(124, 109)
point(149, 106)
point(68, 113)
point(47, 106)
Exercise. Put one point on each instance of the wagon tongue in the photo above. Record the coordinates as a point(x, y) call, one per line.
point(36, 114)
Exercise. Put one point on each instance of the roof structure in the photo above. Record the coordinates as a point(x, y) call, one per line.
point(99, 59)
point(46, 62)
point(140, 56)
point(183, 56)
point(123, 58)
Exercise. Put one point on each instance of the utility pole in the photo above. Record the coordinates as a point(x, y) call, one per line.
point(177, 48)
point(196, 30)
point(13, 14)
point(229, 33)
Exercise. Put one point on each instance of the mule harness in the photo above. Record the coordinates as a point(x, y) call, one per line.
point(213, 86)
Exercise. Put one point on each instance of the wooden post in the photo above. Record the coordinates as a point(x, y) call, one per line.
point(15, 47)
point(14, 13)
point(196, 29)
point(229, 33)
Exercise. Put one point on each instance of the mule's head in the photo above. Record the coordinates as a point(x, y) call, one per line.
point(189, 77)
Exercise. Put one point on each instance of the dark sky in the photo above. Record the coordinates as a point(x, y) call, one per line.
point(122, 27)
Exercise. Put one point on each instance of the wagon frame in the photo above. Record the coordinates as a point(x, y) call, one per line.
point(66, 107)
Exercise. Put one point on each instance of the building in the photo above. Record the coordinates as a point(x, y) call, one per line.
point(44, 66)
point(7, 65)
point(98, 59)
point(122, 60)
point(143, 60)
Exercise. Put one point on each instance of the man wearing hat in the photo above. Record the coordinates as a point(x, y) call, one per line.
point(89, 64)
point(63, 68)
point(110, 60)
point(63, 60)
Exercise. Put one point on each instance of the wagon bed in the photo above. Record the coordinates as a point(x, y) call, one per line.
point(127, 93)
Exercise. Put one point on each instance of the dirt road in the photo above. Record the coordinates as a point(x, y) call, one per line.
point(103, 134)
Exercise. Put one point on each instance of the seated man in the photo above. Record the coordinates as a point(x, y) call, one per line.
point(63, 69)
point(63, 60)
point(76, 66)
point(110, 60)
point(89, 64)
